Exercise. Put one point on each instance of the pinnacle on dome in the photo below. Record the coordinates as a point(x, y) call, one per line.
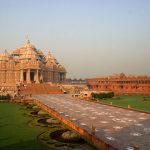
point(49, 56)
point(28, 45)
point(28, 40)
point(5, 51)
point(49, 53)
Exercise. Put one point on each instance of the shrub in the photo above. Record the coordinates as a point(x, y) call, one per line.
point(41, 112)
point(70, 135)
point(52, 121)
point(8, 97)
point(5, 97)
point(102, 95)
point(35, 107)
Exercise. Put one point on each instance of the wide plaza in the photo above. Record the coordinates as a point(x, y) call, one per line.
point(119, 127)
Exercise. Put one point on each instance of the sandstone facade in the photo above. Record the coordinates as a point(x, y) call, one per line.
point(29, 65)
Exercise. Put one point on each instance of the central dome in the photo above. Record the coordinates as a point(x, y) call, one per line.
point(29, 46)
point(29, 54)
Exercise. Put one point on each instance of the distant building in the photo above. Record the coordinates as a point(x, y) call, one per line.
point(75, 85)
point(29, 65)
point(75, 81)
point(120, 83)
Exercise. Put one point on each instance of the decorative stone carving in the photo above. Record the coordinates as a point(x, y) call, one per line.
point(28, 64)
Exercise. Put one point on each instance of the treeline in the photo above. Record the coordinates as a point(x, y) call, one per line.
point(5, 97)
point(102, 95)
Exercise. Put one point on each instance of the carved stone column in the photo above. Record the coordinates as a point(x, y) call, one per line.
point(28, 76)
point(41, 76)
point(37, 76)
point(21, 75)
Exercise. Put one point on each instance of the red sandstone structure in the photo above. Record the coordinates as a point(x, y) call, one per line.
point(120, 83)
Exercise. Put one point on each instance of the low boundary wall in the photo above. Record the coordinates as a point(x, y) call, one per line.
point(100, 144)
point(141, 111)
point(117, 106)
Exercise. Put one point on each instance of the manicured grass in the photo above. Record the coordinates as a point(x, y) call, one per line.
point(135, 101)
point(15, 133)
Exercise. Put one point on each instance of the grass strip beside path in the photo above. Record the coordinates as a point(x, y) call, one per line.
point(135, 101)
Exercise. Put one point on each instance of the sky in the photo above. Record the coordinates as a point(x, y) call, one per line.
point(89, 37)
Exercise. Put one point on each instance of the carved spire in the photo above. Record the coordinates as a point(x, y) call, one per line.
point(27, 39)
point(5, 51)
point(49, 53)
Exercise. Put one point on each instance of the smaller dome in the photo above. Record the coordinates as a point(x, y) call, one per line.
point(51, 59)
point(49, 56)
point(122, 75)
point(4, 56)
point(40, 52)
point(61, 68)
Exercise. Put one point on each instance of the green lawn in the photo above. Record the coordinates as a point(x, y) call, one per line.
point(15, 134)
point(135, 101)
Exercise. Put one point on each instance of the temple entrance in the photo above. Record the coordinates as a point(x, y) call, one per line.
point(24, 76)
point(32, 76)
point(61, 76)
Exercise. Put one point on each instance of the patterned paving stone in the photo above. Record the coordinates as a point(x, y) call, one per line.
point(119, 127)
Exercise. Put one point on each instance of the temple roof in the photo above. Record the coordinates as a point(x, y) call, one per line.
point(49, 56)
point(4, 56)
point(25, 47)
point(29, 53)
point(29, 46)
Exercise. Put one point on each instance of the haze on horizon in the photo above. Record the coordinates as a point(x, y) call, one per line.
point(89, 37)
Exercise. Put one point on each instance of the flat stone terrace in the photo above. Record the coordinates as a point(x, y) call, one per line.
point(116, 126)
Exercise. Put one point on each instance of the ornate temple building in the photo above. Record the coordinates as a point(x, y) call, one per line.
point(120, 83)
point(29, 65)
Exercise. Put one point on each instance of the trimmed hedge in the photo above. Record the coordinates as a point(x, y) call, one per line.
point(5, 97)
point(70, 135)
point(102, 95)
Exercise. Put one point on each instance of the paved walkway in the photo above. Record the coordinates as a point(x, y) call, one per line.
point(119, 127)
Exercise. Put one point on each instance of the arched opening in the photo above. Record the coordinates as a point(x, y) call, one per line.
point(121, 86)
point(24, 76)
point(32, 76)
